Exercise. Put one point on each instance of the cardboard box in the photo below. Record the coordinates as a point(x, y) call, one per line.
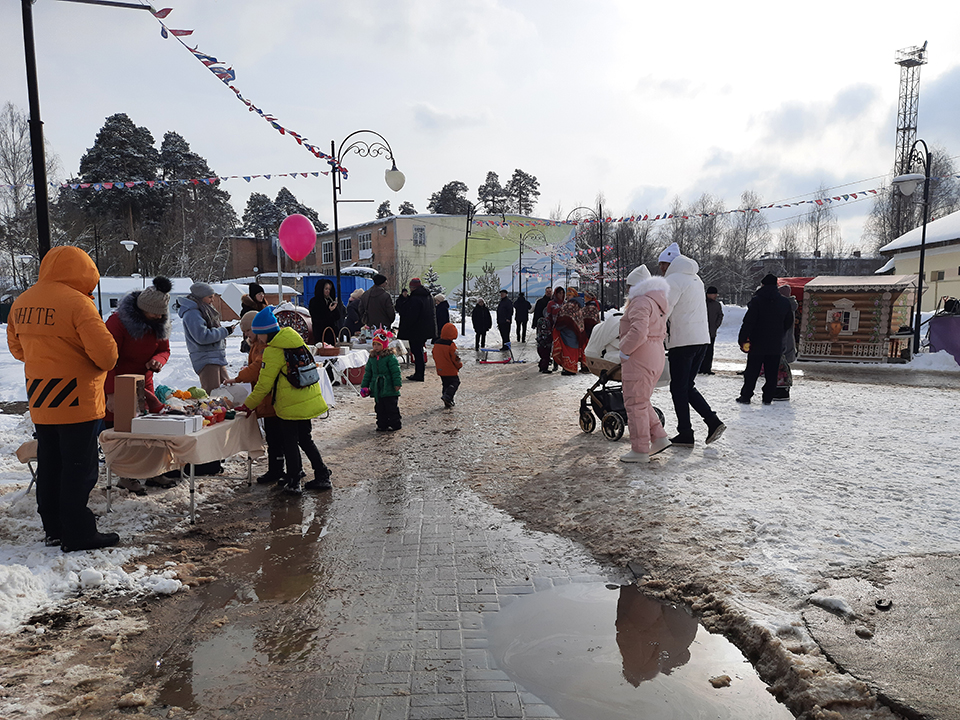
point(129, 400)
point(167, 424)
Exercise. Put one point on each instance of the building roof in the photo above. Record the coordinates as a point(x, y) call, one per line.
point(861, 282)
point(942, 230)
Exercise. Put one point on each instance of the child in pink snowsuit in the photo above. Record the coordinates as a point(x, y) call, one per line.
point(643, 328)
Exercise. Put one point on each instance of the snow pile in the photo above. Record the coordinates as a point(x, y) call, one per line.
point(941, 360)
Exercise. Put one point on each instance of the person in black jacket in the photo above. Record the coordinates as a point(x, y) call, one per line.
point(521, 307)
point(482, 321)
point(542, 305)
point(418, 323)
point(504, 319)
point(768, 316)
point(443, 312)
point(325, 311)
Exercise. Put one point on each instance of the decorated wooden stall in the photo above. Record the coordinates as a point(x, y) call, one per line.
point(857, 319)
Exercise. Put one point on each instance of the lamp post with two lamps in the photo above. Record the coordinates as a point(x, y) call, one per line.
point(907, 184)
point(374, 148)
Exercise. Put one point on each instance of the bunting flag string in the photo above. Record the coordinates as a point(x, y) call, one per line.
point(846, 197)
point(124, 184)
point(227, 76)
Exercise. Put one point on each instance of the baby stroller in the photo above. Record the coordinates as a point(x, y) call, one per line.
point(605, 398)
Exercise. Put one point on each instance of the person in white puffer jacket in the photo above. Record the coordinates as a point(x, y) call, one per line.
point(688, 336)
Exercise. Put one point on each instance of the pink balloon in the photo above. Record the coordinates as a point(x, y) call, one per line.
point(298, 237)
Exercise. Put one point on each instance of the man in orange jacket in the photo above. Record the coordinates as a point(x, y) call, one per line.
point(55, 330)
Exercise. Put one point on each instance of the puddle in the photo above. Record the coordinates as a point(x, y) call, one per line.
point(280, 567)
point(596, 653)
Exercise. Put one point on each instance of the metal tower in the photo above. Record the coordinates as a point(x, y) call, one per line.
point(909, 59)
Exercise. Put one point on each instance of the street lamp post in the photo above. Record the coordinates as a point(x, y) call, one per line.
point(375, 148)
point(503, 230)
point(907, 184)
point(525, 237)
point(597, 216)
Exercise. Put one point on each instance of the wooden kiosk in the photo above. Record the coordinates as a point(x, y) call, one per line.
point(857, 319)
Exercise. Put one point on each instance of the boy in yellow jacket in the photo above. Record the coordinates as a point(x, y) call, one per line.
point(55, 330)
point(295, 407)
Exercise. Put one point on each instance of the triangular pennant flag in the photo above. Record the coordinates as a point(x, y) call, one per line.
point(162, 13)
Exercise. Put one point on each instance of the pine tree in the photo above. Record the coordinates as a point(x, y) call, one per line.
point(383, 210)
point(287, 204)
point(523, 191)
point(492, 194)
point(487, 286)
point(261, 217)
point(407, 208)
point(431, 281)
point(450, 199)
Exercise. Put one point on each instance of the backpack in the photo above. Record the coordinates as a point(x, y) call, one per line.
point(301, 368)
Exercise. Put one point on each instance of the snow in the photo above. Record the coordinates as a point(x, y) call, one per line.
point(843, 474)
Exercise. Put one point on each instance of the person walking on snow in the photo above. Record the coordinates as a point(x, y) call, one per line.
point(418, 323)
point(714, 321)
point(381, 380)
point(521, 307)
point(482, 322)
point(448, 363)
point(643, 329)
point(504, 319)
point(54, 329)
point(769, 315)
point(687, 338)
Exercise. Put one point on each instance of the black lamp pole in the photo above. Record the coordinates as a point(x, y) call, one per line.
point(597, 216)
point(375, 148)
point(471, 213)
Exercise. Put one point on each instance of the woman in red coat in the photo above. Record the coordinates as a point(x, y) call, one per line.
point(141, 327)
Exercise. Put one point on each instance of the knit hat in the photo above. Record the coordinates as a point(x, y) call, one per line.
point(670, 254)
point(255, 289)
point(156, 299)
point(265, 323)
point(202, 290)
point(712, 290)
point(246, 322)
point(414, 283)
point(638, 275)
point(769, 279)
point(381, 338)
point(379, 279)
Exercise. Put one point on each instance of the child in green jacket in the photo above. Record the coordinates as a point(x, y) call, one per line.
point(381, 378)
point(295, 407)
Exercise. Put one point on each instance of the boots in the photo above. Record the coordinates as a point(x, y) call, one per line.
point(321, 480)
point(274, 471)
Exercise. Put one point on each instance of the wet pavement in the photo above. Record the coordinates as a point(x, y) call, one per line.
point(407, 598)
point(899, 632)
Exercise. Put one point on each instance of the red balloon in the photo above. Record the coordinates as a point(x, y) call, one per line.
point(298, 237)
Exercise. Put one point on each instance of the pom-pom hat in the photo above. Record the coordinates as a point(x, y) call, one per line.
point(381, 338)
point(156, 298)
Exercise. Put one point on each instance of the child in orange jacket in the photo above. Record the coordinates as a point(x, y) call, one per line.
point(448, 363)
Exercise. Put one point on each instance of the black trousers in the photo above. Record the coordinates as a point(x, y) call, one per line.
point(419, 363)
point(771, 364)
point(706, 365)
point(297, 434)
point(504, 332)
point(522, 330)
point(684, 365)
point(388, 412)
point(481, 339)
point(450, 384)
point(67, 469)
point(273, 430)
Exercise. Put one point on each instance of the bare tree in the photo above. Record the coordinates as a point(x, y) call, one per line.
point(705, 231)
point(745, 240)
point(820, 231)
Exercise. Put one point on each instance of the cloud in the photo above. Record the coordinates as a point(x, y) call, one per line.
point(795, 122)
point(431, 119)
point(853, 102)
point(938, 112)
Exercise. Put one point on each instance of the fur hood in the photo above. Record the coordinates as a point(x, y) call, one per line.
point(136, 323)
point(651, 284)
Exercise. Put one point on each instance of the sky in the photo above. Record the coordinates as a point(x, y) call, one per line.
point(636, 102)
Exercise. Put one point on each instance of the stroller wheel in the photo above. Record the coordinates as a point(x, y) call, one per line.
point(588, 423)
point(660, 415)
point(612, 426)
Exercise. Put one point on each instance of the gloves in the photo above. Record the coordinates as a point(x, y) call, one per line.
point(243, 409)
point(364, 392)
point(230, 329)
point(623, 357)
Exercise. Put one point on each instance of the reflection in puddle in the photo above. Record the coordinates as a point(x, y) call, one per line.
point(280, 567)
point(595, 654)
